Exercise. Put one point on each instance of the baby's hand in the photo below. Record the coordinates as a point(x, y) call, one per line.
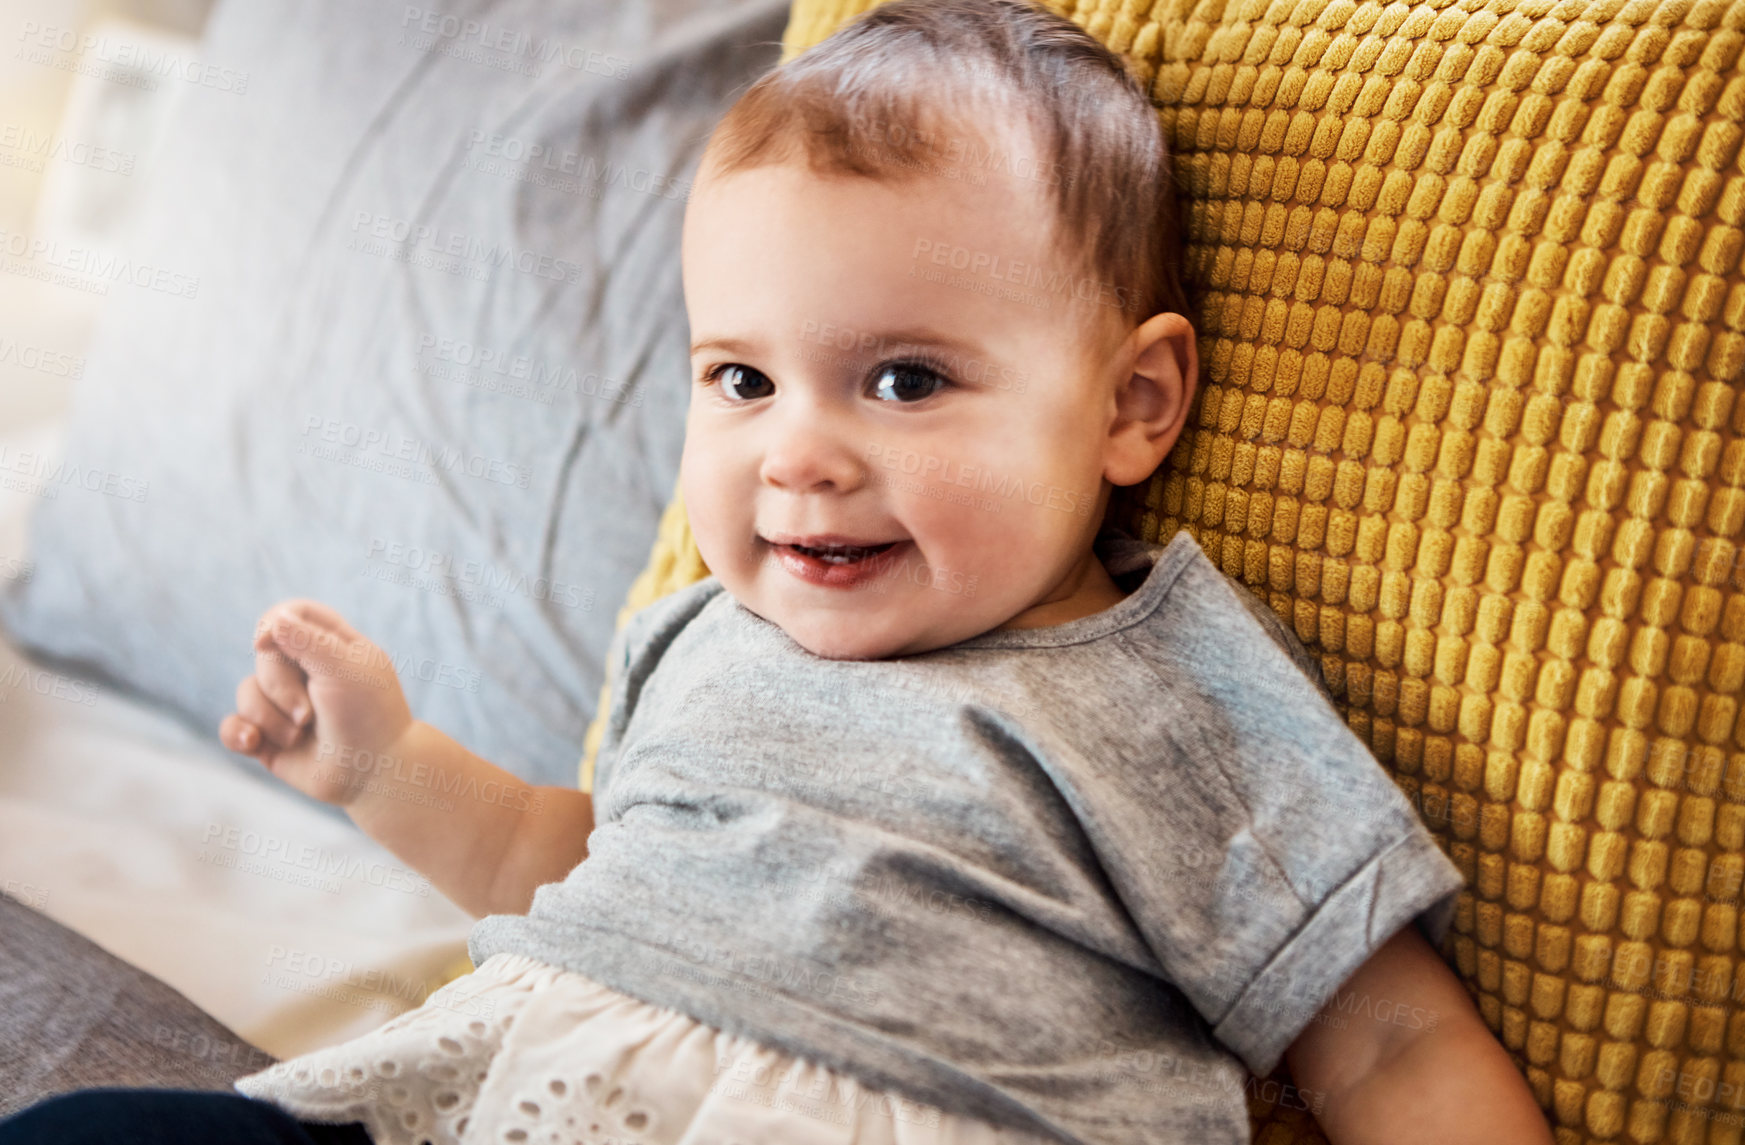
point(321, 697)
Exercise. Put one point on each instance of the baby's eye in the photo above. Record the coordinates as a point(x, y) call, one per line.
point(910, 382)
point(729, 375)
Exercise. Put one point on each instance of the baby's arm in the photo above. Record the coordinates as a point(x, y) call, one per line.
point(324, 712)
point(1438, 1082)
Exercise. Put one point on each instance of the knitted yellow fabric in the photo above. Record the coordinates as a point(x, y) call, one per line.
point(1471, 323)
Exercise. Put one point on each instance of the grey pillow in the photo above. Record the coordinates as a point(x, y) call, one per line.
point(414, 344)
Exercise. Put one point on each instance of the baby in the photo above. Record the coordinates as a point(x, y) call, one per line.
point(937, 813)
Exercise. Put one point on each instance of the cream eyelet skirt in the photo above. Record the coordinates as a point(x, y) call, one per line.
point(523, 1053)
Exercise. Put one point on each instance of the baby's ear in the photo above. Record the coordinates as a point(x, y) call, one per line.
point(1167, 342)
point(1151, 403)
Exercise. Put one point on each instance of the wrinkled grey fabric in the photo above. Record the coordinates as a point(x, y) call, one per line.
point(298, 402)
point(73, 1016)
point(1070, 879)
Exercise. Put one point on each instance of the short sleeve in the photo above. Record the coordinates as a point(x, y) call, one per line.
point(1262, 850)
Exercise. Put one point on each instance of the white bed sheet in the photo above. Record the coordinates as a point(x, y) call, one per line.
point(294, 929)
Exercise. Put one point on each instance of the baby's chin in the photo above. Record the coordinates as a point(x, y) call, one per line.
point(838, 635)
point(829, 638)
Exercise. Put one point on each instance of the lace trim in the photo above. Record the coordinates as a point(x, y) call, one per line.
point(476, 1065)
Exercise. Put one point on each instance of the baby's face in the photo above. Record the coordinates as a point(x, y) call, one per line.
point(861, 370)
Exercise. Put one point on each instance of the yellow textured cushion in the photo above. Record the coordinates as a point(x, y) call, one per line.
point(674, 564)
point(1471, 314)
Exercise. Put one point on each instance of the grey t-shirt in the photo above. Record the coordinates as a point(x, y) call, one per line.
point(1069, 879)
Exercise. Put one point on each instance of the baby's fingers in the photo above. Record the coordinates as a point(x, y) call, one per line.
point(317, 642)
point(253, 706)
point(283, 640)
point(284, 683)
point(238, 734)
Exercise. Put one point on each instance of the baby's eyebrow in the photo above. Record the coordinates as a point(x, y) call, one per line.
point(731, 345)
point(925, 337)
point(844, 338)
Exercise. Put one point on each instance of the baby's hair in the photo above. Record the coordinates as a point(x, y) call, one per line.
point(885, 73)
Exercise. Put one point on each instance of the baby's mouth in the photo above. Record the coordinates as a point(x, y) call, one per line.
point(840, 554)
